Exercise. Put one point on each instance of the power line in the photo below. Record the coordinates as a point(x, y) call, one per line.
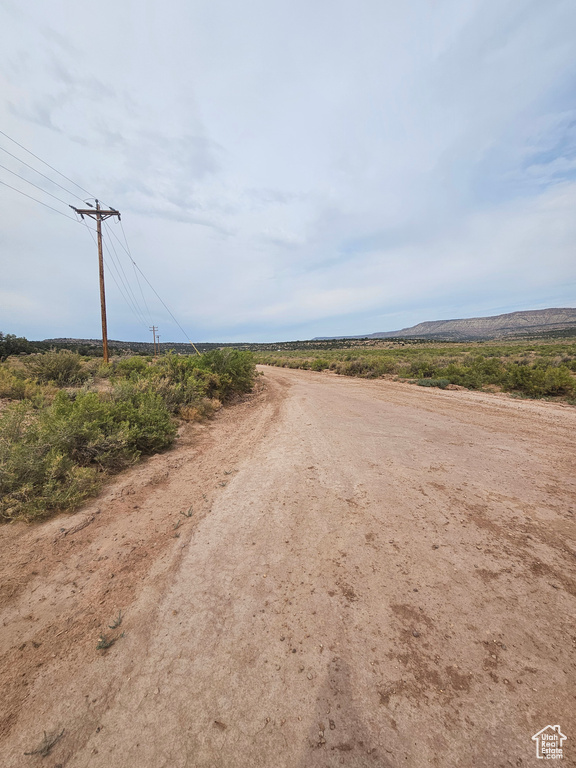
point(40, 173)
point(125, 281)
point(130, 299)
point(141, 291)
point(71, 218)
point(124, 293)
point(186, 336)
point(39, 201)
point(126, 248)
point(47, 164)
point(34, 185)
point(135, 273)
point(91, 230)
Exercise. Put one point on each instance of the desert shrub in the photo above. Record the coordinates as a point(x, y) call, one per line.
point(53, 459)
point(16, 387)
point(36, 478)
point(234, 367)
point(185, 391)
point(222, 371)
point(202, 409)
point(89, 430)
point(442, 383)
point(185, 381)
point(319, 364)
point(104, 370)
point(422, 370)
point(358, 367)
point(11, 386)
point(539, 381)
point(386, 365)
point(150, 426)
point(130, 367)
point(468, 376)
point(59, 367)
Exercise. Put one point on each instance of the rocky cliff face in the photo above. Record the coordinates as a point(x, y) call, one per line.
point(497, 326)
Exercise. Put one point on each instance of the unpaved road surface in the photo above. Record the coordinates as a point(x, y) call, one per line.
point(371, 574)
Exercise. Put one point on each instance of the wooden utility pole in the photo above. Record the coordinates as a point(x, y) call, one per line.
point(154, 329)
point(100, 215)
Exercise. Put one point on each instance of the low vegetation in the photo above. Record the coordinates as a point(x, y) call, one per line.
point(525, 369)
point(69, 422)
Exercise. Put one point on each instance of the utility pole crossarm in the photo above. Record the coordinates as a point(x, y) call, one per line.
point(96, 214)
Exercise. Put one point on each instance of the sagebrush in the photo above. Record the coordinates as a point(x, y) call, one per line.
point(58, 444)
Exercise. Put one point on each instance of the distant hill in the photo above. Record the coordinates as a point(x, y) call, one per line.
point(534, 321)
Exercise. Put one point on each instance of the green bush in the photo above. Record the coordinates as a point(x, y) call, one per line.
point(442, 383)
point(538, 381)
point(89, 430)
point(36, 478)
point(59, 367)
point(235, 368)
point(56, 446)
point(150, 426)
point(52, 460)
point(219, 373)
point(422, 370)
point(15, 387)
point(130, 366)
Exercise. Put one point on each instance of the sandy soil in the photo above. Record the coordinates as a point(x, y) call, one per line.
point(372, 574)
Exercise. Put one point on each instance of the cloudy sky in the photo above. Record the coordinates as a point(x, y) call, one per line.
point(287, 168)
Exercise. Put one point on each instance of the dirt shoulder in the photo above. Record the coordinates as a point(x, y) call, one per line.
point(371, 574)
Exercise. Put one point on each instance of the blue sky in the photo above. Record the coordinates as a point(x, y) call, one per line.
point(289, 169)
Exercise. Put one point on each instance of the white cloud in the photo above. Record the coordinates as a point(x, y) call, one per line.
point(299, 165)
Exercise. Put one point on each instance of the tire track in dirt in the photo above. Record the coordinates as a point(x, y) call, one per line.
point(374, 574)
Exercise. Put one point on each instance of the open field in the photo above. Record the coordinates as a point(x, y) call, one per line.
point(335, 572)
point(527, 368)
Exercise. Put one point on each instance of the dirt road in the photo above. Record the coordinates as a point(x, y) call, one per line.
point(334, 572)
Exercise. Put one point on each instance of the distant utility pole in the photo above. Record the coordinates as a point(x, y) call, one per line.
point(154, 329)
point(100, 215)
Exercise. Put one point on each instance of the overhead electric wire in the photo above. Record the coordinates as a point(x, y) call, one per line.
point(25, 194)
point(39, 201)
point(112, 274)
point(132, 302)
point(124, 289)
point(91, 229)
point(48, 164)
point(126, 248)
point(40, 173)
point(127, 281)
point(34, 185)
point(135, 273)
point(124, 280)
point(186, 336)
